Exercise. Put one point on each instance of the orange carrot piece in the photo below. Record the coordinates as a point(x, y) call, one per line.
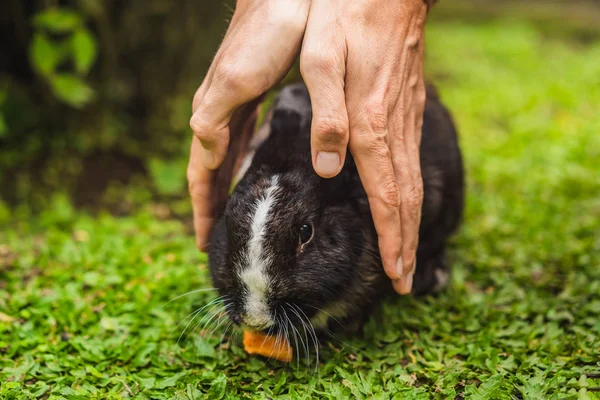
point(267, 346)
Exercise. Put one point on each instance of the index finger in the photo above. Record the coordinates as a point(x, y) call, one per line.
point(209, 189)
point(232, 28)
point(200, 186)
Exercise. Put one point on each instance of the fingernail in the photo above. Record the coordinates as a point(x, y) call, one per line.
point(208, 157)
point(399, 266)
point(407, 284)
point(328, 163)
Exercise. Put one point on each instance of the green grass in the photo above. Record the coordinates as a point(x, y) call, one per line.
point(83, 299)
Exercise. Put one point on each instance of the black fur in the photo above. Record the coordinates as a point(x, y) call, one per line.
point(340, 270)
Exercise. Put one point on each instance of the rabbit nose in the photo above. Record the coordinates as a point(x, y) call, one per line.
point(256, 322)
point(236, 318)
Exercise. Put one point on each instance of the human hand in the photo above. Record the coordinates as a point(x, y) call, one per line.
point(362, 64)
point(259, 48)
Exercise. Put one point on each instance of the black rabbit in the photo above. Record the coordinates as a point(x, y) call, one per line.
point(292, 246)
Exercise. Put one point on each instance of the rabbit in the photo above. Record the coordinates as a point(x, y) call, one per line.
point(292, 248)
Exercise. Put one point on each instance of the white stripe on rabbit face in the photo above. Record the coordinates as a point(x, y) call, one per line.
point(254, 276)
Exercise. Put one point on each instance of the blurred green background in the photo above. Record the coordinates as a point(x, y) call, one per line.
point(95, 96)
point(95, 239)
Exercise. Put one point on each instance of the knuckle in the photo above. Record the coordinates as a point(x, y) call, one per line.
point(199, 126)
point(418, 187)
point(331, 130)
point(414, 197)
point(376, 116)
point(369, 142)
point(372, 145)
point(205, 133)
point(244, 82)
point(412, 202)
point(314, 61)
point(418, 190)
point(231, 77)
point(413, 246)
point(193, 185)
point(389, 193)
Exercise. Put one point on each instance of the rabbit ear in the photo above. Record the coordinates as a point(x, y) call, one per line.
point(285, 121)
point(291, 114)
point(244, 129)
point(241, 129)
point(288, 140)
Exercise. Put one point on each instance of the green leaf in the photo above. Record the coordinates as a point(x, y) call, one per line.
point(203, 349)
point(58, 20)
point(170, 381)
point(39, 388)
point(142, 357)
point(72, 90)
point(583, 394)
point(44, 55)
point(90, 369)
point(218, 387)
point(147, 383)
point(84, 50)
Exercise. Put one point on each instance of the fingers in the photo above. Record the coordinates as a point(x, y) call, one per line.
point(413, 194)
point(406, 124)
point(411, 189)
point(231, 28)
point(209, 189)
point(322, 64)
point(259, 47)
point(211, 119)
point(370, 92)
point(368, 144)
point(256, 53)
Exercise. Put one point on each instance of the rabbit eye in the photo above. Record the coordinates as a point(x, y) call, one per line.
point(306, 233)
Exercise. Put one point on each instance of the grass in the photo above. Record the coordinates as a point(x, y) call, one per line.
point(84, 309)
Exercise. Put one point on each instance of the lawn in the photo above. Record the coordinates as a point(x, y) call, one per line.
point(85, 301)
